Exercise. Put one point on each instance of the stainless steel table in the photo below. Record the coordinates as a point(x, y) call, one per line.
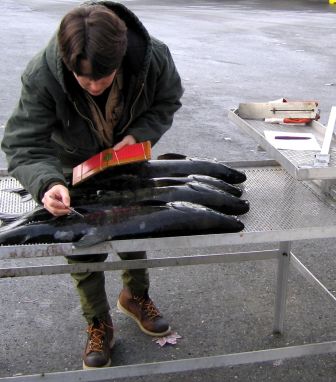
point(283, 210)
point(300, 164)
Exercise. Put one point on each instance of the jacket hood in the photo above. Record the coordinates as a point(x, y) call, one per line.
point(139, 46)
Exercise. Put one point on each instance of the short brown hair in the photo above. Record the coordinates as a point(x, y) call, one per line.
point(94, 33)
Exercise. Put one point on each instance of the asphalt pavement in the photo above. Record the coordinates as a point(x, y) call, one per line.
point(227, 52)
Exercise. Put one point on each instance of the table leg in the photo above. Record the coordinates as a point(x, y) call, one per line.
point(282, 285)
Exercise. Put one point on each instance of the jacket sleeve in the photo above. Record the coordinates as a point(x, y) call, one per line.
point(30, 154)
point(158, 118)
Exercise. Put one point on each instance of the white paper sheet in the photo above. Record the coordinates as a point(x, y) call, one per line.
point(310, 144)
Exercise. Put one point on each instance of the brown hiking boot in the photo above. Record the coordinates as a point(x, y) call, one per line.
point(99, 344)
point(144, 312)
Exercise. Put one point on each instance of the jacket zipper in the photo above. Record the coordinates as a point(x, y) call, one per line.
point(132, 109)
point(83, 116)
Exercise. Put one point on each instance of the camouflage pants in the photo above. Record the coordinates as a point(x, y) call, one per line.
point(91, 285)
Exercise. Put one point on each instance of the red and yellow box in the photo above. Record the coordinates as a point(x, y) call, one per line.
point(109, 158)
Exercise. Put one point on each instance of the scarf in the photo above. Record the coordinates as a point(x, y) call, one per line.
point(105, 123)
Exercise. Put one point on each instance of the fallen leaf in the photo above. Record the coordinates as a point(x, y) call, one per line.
point(277, 362)
point(170, 339)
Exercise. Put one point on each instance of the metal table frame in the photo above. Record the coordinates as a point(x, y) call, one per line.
point(280, 250)
point(300, 164)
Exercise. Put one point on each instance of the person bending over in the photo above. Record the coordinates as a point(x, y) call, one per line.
point(102, 81)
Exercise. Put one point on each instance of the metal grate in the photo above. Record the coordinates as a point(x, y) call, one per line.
point(11, 202)
point(279, 202)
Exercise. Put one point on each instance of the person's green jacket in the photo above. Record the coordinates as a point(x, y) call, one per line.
point(51, 127)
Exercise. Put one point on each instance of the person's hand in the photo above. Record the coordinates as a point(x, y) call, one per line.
point(56, 199)
point(126, 141)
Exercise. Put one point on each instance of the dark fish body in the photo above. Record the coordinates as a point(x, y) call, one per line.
point(98, 224)
point(193, 192)
point(209, 180)
point(133, 182)
point(37, 214)
point(233, 176)
point(171, 168)
point(175, 168)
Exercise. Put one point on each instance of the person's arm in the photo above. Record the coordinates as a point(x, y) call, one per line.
point(154, 122)
point(31, 156)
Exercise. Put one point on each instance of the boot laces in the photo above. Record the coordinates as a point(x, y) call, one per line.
point(97, 334)
point(148, 306)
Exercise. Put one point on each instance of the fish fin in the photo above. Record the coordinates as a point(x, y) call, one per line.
point(199, 186)
point(218, 183)
point(22, 192)
point(168, 156)
point(196, 185)
point(7, 218)
point(26, 198)
point(90, 239)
